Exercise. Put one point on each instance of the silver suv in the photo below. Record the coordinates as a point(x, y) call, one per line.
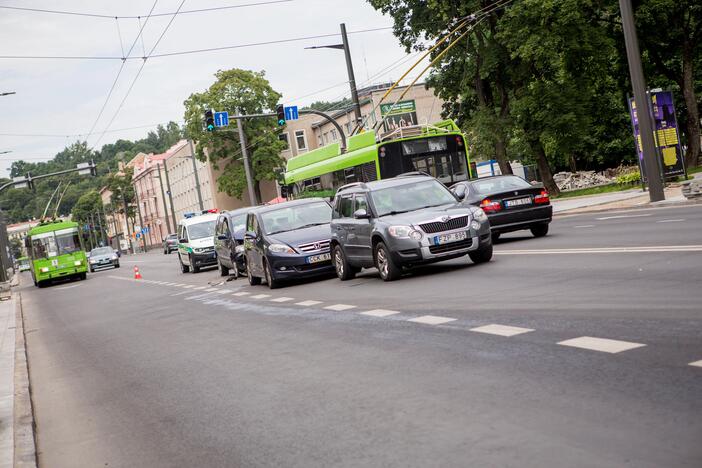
point(404, 221)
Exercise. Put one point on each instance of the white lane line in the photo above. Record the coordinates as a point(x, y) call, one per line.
point(670, 220)
point(697, 363)
point(605, 250)
point(601, 344)
point(380, 313)
point(201, 287)
point(502, 330)
point(188, 286)
point(308, 303)
point(340, 307)
point(623, 216)
point(241, 294)
point(283, 299)
point(68, 287)
point(584, 226)
point(260, 296)
point(431, 319)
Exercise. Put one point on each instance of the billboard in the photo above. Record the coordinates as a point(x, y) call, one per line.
point(402, 114)
point(665, 135)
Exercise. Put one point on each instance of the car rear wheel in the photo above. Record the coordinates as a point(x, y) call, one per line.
point(272, 282)
point(344, 271)
point(540, 230)
point(253, 280)
point(482, 255)
point(223, 271)
point(389, 271)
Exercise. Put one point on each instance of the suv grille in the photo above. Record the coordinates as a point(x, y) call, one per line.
point(450, 247)
point(314, 246)
point(438, 226)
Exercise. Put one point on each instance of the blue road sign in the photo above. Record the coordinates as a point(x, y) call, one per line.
point(221, 119)
point(291, 113)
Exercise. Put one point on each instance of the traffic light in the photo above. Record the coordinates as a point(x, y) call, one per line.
point(280, 112)
point(209, 120)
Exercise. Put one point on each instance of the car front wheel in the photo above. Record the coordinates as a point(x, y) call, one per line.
point(183, 267)
point(389, 270)
point(344, 271)
point(253, 280)
point(482, 255)
point(272, 282)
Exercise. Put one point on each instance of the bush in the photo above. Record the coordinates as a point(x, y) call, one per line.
point(629, 178)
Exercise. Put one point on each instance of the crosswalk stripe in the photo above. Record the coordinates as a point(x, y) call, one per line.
point(380, 312)
point(211, 290)
point(201, 287)
point(604, 345)
point(282, 299)
point(241, 293)
point(697, 363)
point(501, 330)
point(431, 319)
point(260, 296)
point(308, 303)
point(340, 307)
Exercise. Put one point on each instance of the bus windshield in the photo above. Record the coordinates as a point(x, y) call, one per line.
point(53, 244)
point(68, 241)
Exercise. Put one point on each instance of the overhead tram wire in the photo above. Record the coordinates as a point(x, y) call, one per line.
point(78, 135)
point(121, 67)
point(136, 77)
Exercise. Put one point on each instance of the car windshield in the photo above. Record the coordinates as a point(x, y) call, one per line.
point(498, 184)
point(411, 197)
point(296, 217)
point(201, 230)
point(101, 251)
point(172, 237)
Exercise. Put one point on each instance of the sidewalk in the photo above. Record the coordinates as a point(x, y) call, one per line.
point(7, 379)
point(574, 203)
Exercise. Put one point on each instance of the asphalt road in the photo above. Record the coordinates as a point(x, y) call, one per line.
point(193, 370)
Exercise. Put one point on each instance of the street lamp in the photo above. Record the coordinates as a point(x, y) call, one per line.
point(5, 152)
point(349, 66)
point(7, 93)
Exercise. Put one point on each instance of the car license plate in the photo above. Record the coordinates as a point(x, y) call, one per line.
point(453, 237)
point(319, 258)
point(518, 202)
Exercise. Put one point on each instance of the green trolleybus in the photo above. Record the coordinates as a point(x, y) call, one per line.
point(56, 251)
point(438, 150)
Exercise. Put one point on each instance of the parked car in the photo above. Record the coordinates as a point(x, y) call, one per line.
point(510, 202)
point(103, 257)
point(229, 242)
point(170, 243)
point(195, 242)
point(408, 220)
point(288, 241)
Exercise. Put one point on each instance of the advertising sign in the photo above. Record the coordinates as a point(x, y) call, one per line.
point(402, 114)
point(666, 136)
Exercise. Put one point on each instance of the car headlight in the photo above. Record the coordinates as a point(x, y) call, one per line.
point(405, 232)
point(201, 249)
point(475, 225)
point(114, 257)
point(92, 260)
point(239, 249)
point(280, 248)
point(77, 263)
point(44, 269)
point(479, 215)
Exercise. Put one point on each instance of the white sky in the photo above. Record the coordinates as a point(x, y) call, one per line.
point(64, 97)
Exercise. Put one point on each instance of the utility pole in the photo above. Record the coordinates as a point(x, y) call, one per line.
point(163, 197)
point(126, 219)
point(170, 197)
point(197, 178)
point(4, 258)
point(643, 104)
point(352, 78)
point(141, 220)
point(245, 156)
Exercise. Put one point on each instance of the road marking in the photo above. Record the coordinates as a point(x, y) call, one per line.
point(431, 319)
point(502, 330)
point(68, 287)
point(211, 290)
point(584, 226)
point(201, 287)
point(223, 291)
point(308, 303)
point(623, 216)
point(241, 293)
point(696, 363)
point(670, 220)
point(260, 296)
point(340, 307)
point(601, 344)
point(188, 286)
point(380, 313)
point(283, 299)
point(605, 250)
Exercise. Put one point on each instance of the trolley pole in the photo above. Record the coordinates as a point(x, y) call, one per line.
point(245, 156)
point(197, 178)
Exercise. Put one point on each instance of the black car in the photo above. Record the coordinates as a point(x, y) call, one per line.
point(170, 243)
point(229, 242)
point(510, 202)
point(288, 241)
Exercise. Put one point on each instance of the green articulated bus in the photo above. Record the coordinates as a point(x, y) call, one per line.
point(439, 150)
point(56, 251)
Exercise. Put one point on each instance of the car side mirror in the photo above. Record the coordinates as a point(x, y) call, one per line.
point(250, 235)
point(222, 237)
point(460, 195)
point(361, 214)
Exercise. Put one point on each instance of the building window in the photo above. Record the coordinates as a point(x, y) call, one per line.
point(301, 140)
point(285, 139)
point(333, 136)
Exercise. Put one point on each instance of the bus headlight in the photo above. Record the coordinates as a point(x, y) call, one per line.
point(44, 269)
point(77, 263)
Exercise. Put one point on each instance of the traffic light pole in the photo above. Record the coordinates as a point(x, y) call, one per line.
point(163, 197)
point(643, 103)
point(352, 78)
point(245, 156)
point(170, 197)
point(197, 178)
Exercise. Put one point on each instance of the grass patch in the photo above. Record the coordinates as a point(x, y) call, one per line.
point(694, 170)
point(595, 190)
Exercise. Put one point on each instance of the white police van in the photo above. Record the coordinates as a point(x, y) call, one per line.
point(196, 241)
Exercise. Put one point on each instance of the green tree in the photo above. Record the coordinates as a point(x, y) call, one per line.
point(250, 93)
point(88, 210)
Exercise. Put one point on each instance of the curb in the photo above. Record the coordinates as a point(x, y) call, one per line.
point(25, 446)
point(647, 205)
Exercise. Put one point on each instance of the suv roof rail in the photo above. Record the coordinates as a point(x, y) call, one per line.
point(351, 185)
point(413, 174)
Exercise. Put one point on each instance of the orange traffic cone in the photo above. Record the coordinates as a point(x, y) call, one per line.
point(137, 275)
